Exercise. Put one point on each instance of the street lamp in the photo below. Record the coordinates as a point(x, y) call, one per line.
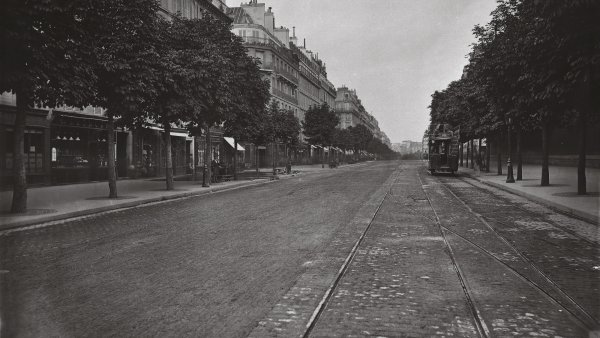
point(509, 178)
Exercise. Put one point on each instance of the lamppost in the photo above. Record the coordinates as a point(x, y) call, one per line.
point(509, 178)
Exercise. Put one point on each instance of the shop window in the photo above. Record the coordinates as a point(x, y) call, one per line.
point(79, 148)
point(33, 151)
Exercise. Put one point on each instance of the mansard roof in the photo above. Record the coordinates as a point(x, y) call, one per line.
point(239, 15)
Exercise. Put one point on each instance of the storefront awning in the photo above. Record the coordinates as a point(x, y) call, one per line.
point(231, 142)
point(172, 133)
point(179, 134)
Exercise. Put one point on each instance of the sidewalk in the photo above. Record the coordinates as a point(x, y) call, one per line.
point(52, 203)
point(560, 195)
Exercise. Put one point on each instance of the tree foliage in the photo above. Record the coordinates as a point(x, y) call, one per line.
point(319, 124)
point(284, 126)
point(528, 64)
point(535, 64)
point(45, 60)
point(46, 56)
point(126, 49)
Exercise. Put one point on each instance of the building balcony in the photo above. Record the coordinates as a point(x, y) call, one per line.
point(284, 96)
point(258, 41)
point(311, 78)
point(281, 72)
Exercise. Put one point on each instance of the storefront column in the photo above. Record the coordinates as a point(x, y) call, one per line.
point(47, 156)
point(129, 149)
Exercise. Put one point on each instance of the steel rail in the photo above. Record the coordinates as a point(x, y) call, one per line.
point(589, 321)
point(480, 325)
point(310, 325)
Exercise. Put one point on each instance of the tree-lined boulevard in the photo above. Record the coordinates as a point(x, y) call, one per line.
point(259, 261)
point(144, 66)
point(139, 129)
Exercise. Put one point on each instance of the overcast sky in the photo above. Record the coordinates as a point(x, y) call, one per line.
point(395, 53)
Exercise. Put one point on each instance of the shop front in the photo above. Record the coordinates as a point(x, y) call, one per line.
point(35, 150)
point(79, 148)
point(149, 155)
point(216, 155)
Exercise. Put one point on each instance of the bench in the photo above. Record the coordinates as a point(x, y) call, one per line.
point(224, 178)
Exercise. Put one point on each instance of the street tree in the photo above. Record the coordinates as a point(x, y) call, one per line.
point(205, 74)
point(226, 82)
point(283, 127)
point(342, 138)
point(126, 36)
point(564, 45)
point(177, 85)
point(361, 137)
point(251, 95)
point(319, 125)
point(45, 61)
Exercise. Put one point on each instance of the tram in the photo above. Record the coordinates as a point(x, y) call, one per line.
point(443, 149)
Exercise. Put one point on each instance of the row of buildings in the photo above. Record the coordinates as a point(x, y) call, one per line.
point(408, 147)
point(69, 144)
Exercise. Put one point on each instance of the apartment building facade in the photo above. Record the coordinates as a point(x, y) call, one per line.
point(352, 113)
point(297, 77)
point(68, 144)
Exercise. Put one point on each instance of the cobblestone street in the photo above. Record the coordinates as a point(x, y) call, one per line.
point(385, 250)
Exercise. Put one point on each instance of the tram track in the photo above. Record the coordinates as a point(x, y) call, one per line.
point(514, 270)
point(312, 322)
point(551, 289)
point(482, 329)
point(567, 230)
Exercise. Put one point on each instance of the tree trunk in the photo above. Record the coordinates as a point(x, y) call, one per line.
point(467, 162)
point(235, 162)
point(112, 172)
point(488, 148)
point(498, 145)
point(256, 158)
point(581, 179)
point(322, 157)
point(273, 159)
point(169, 159)
point(545, 172)
point(509, 156)
point(207, 158)
point(19, 197)
point(519, 157)
point(472, 154)
point(461, 154)
point(478, 157)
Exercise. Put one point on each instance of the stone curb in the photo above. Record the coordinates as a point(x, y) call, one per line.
point(124, 205)
point(130, 204)
point(590, 218)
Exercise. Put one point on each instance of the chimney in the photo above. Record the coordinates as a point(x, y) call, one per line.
point(294, 31)
point(304, 43)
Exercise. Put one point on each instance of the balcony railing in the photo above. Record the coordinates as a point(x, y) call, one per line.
point(285, 96)
point(280, 71)
point(311, 78)
point(287, 74)
point(257, 40)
